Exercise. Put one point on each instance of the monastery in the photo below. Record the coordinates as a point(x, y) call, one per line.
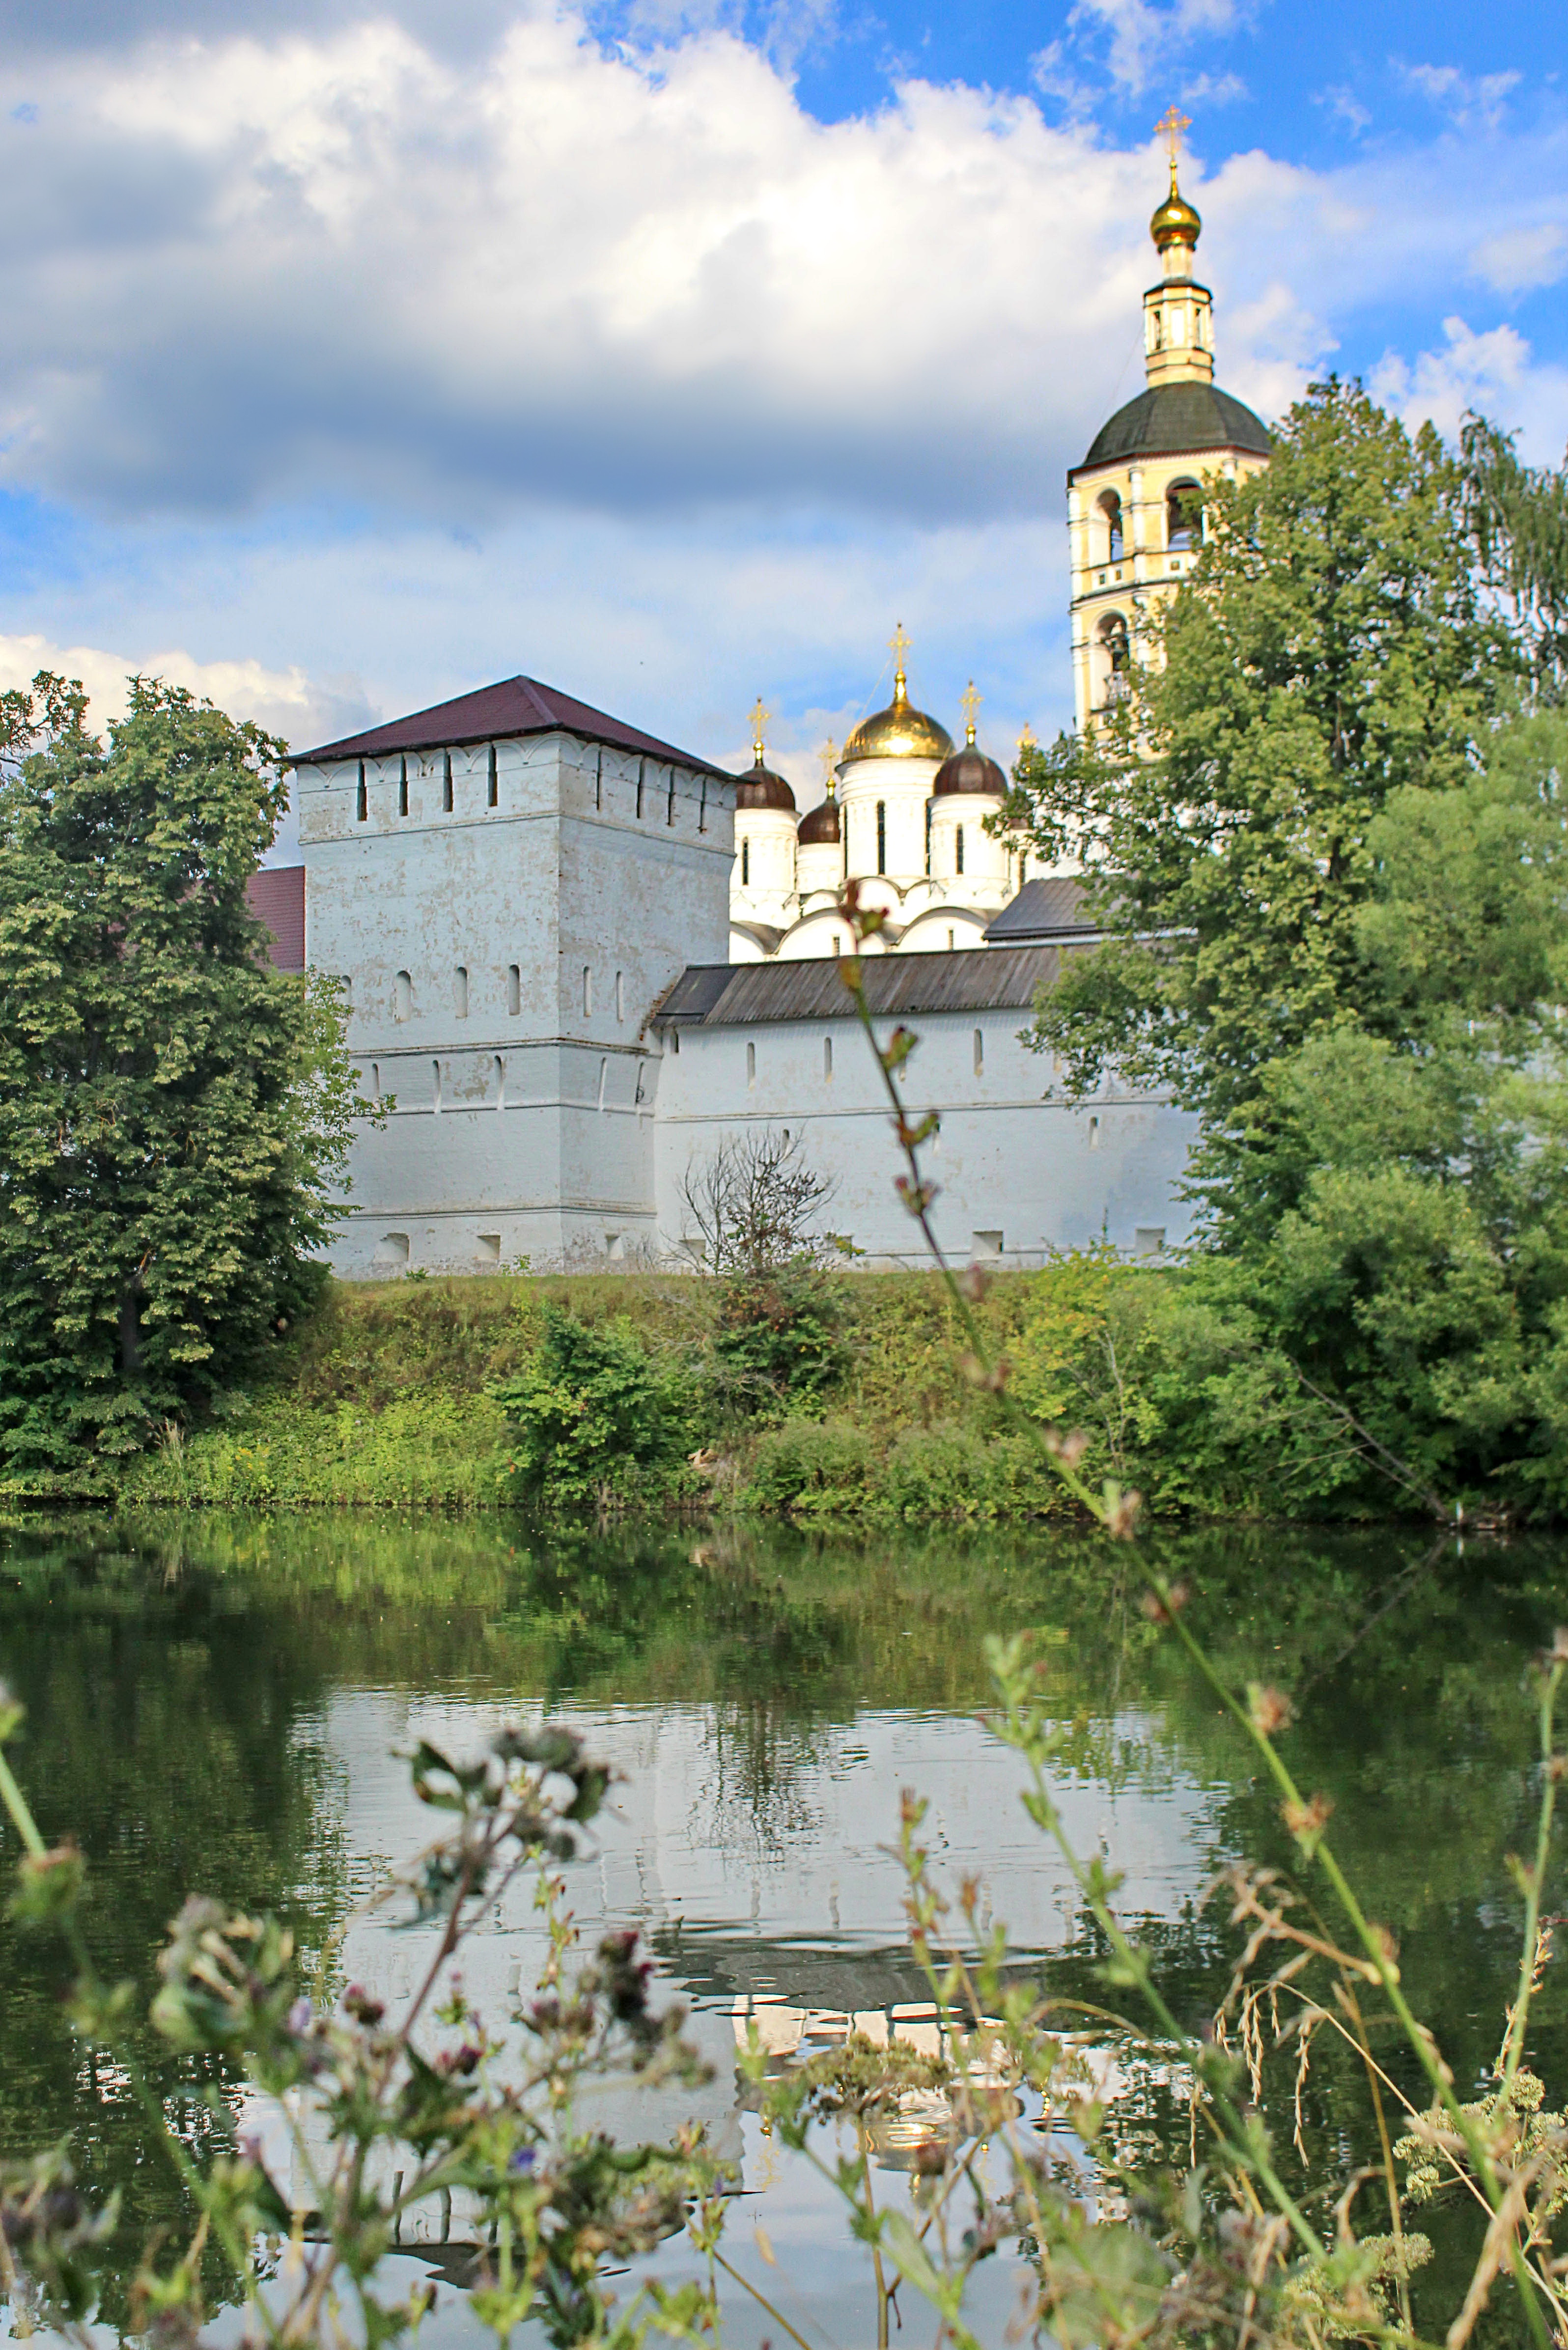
point(577, 958)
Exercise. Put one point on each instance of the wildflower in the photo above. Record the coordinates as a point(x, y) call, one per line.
point(1166, 1609)
point(1306, 1822)
point(361, 2006)
point(300, 2018)
point(1268, 1709)
point(1069, 1449)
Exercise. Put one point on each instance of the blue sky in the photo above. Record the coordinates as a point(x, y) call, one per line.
point(673, 353)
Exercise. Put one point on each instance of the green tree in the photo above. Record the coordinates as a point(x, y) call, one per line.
point(174, 1113)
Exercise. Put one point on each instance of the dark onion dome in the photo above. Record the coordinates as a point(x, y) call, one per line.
point(820, 825)
point(1169, 418)
point(759, 787)
point(969, 770)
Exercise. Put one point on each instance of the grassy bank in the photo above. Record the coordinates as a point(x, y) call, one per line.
point(596, 1391)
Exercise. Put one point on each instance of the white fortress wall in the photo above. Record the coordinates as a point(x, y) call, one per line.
point(1019, 1177)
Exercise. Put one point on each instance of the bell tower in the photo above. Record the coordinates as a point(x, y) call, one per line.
point(1135, 505)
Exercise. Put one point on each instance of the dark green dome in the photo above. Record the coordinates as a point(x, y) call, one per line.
point(1171, 418)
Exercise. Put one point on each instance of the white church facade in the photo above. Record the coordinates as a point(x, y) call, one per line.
point(578, 959)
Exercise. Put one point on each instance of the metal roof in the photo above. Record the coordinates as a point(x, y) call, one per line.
point(973, 979)
point(1048, 908)
point(275, 896)
point(1171, 418)
point(497, 713)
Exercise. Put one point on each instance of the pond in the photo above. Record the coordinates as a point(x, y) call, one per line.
point(219, 1704)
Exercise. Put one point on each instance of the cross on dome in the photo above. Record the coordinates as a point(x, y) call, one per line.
point(972, 701)
point(828, 754)
point(1169, 128)
point(898, 645)
point(760, 717)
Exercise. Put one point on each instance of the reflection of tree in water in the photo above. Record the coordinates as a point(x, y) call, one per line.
point(163, 1730)
point(176, 1680)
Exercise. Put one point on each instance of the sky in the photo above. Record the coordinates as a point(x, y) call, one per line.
point(356, 358)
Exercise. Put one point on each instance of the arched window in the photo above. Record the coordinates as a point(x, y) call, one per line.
point(492, 795)
point(1110, 507)
point(641, 783)
point(403, 996)
point(500, 1083)
point(750, 1065)
point(746, 864)
point(957, 848)
point(587, 992)
point(446, 783)
point(1183, 516)
point(435, 1069)
point(620, 996)
point(362, 807)
point(827, 1057)
point(881, 836)
point(1114, 656)
point(514, 988)
point(404, 786)
point(460, 990)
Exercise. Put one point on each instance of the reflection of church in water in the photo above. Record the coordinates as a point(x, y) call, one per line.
point(579, 958)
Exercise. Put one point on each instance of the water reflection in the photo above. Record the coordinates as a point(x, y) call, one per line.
point(212, 1703)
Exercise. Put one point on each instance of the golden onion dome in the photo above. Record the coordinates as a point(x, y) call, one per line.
point(899, 732)
point(1175, 221)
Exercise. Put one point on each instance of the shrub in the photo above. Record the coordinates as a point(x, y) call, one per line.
point(600, 1418)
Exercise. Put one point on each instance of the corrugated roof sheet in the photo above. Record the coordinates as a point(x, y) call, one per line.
point(730, 995)
point(497, 713)
point(1049, 908)
point(276, 897)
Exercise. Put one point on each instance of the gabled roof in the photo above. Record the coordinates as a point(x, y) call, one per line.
point(1051, 907)
point(498, 713)
point(969, 979)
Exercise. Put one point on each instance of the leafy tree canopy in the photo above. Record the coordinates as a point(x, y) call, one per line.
point(174, 1113)
point(1324, 832)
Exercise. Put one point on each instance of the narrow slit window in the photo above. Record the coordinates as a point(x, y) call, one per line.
point(675, 1040)
point(746, 864)
point(953, 940)
point(958, 847)
point(375, 1081)
point(929, 806)
point(500, 1083)
point(604, 1079)
point(827, 1057)
point(1094, 1134)
point(460, 990)
point(641, 783)
point(446, 783)
point(493, 786)
point(514, 988)
point(881, 836)
point(435, 1068)
point(362, 799)
point(980, 1052)
point(750, 1065)
point(588, 991)
point(404, 785)
point(620, 996)
point(402, 996)
point(702, 807)
point(600, 782)
point(669, 807)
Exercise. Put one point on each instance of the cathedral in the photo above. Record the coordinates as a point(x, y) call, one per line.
point(576, 958)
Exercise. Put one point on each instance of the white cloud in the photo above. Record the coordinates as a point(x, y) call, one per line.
point(1519, 259)
point(286, 702)
point(1344, 106)
point(1466, 99)
point(1494, 373)
point(1144, 35)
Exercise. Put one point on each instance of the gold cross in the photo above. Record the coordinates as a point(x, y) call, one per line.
point(758, 720)
point(1169, 128)
point(828, 754)
point(898, 645)
point(972, 701)
point(1026, 740)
